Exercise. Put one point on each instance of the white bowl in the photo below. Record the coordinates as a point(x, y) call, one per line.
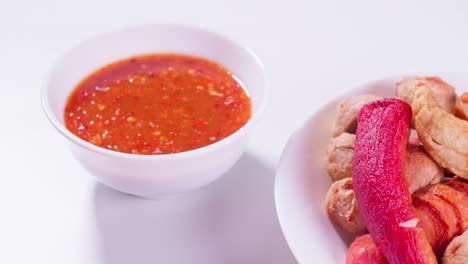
point(154, 176)
point(301, 181)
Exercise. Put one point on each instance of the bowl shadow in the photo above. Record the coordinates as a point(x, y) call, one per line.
point(232, 220)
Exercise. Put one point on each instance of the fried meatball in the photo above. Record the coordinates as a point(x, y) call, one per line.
point(420, 169)
point(339, 157)
point(342, 208)
point(347, 112)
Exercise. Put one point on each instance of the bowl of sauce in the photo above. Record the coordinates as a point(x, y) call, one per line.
point(156, 110)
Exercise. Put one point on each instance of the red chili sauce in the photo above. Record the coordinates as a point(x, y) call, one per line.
point(158, 104)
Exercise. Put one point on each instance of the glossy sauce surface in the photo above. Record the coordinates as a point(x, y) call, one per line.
point(157, 104)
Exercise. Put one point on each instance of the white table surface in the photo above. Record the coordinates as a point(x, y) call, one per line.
point(52, 211)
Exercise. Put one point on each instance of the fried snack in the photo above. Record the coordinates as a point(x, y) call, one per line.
point(420, 168)
point(444, 136)
point(380, 186)
point(342, 208)
point(443, 214)
point(347, 112)
point(461, 106)
point(340, 155)
point(458, 183)
point(340, 202)
point(443, 92)
point(413, 138)
point(457, 250)
point(363, 250)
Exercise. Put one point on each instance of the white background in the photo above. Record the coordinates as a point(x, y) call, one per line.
point(52, 211)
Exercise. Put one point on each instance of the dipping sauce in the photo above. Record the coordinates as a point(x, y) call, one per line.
point(158, 104)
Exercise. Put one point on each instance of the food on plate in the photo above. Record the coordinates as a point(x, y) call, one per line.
point(363, 250)
point(443, 214)
point(340, 202)
point(380, 185)
point(342, 208)
point(402, 180)
point(413, 138)
point(444, 93)
point(157, 104)
point(458, 183)
point(461, 106)
point(347, 112)
point(442, 210)
point(457, 250)
point(420, 168)
point(444, 136)
point(340, 155)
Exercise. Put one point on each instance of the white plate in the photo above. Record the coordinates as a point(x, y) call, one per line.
point(301, 181)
